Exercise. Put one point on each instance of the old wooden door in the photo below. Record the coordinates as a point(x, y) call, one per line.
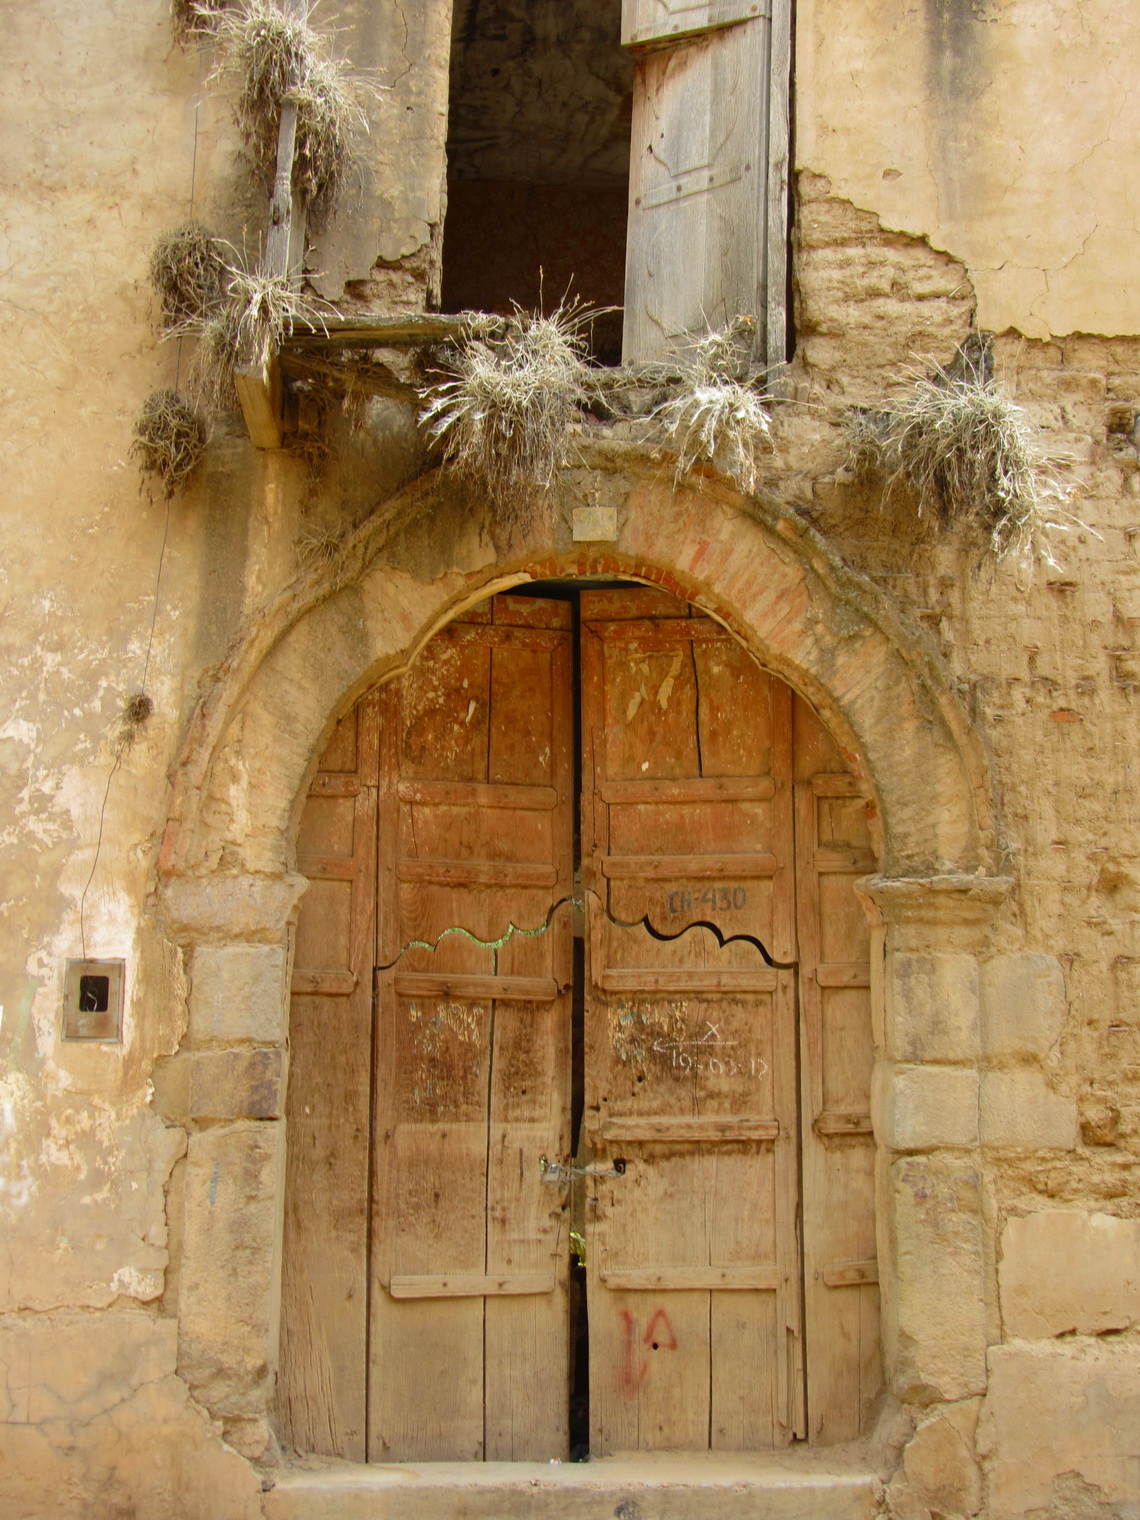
point(697, 233)
point(726, 1145)
point(470, 1257)
point(425, 1305)
point(691, 1035)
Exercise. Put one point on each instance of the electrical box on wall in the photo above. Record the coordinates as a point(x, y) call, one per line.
point(93, 1000)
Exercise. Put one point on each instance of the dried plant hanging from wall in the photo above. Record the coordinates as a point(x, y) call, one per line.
point(718, 412)
point(965, 452)
point(274, 56)
point(187, 270)
point(193, 19)
point(257, 312)
point(170, 438)
point(504, 411)
point(136, 713)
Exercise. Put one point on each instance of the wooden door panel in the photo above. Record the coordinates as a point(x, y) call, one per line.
point(691, 1071)
point(698, 172)
point(690, 1036)
point(324, 1293)
point(844, 1371)
point(470, 1256)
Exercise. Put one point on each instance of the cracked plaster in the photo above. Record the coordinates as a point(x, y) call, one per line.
point(973, 162)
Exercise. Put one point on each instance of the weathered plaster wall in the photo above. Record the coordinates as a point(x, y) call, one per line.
point(998, 130)
point(960, 165)
point(114, 135)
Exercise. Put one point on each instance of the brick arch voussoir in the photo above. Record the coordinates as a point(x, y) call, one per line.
point(763, 572)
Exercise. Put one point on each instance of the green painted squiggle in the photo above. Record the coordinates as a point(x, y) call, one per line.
point(487, 944)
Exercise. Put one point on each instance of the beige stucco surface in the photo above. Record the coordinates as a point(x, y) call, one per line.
point(955, 172)
point(1002, 131)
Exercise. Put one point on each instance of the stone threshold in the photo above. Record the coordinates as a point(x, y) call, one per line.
point(801, 1485)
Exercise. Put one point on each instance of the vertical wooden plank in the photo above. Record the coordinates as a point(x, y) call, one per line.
point(691, 744)
point(324, 1266)
point(470, 1094)
point(778, 200)
point(432, 1091)
point(526, 1378)
point(844, 1371)
point(698, 169)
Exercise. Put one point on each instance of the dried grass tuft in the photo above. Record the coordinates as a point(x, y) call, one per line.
point(169, 439)
point(256, 315)
point(505, 413)
point(265, 307)
point(717, 413)
point(187, 270)
point(320, 546)
point(964, 450)
point(215, 359)
point(192, 19)
point(277, 57)
point(136, 714)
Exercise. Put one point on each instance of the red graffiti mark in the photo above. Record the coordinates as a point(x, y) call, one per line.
point(656, 1337)
point(659, 1336)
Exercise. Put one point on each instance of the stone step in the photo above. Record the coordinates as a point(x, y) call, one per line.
point(770, 1486)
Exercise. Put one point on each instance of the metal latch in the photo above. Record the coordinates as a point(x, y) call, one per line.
point(559, 1172)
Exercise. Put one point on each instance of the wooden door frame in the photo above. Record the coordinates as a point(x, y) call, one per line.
point(227, 894)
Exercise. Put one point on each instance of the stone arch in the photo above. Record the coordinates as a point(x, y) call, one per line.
point(762, 571)
point(227, 894)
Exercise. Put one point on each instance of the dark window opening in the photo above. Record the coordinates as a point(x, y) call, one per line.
point(94, 994)
point(538, 159)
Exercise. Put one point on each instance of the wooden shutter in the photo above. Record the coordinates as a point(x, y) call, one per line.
point(844, 1364)
point(470, 1249)
point(690, 1046)
point(708, 172)
point(325, 1263)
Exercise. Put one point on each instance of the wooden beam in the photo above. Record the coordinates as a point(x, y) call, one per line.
point(257, 377)
point(375, 379)
point(408, 330)
point(258, 385)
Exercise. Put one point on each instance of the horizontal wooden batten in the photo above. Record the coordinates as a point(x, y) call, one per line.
point(827, 860)
point(694, 1131)
point(705, 789)
point(711, 983)
point(661, 633)
point(476, 873)
point(476, 989)
point(328, 867)
point(503, 635)
point(329, 784)
point(688, 867)
point(478, 794)
point(839, 785)
point(851, 1274)
point(843, 975)
point(369, 331)
point(324, 983)
point(644, 24)
point(472, 1285)
point(694, 1279)
point(832, 1122)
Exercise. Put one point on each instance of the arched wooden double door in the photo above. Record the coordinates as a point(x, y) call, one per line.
point(720, 1183)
